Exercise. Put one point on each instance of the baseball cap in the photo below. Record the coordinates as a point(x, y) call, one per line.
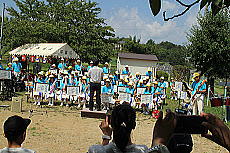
point(15, 125)
point(195, 75)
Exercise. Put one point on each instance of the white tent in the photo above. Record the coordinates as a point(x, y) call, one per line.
point(46, 49)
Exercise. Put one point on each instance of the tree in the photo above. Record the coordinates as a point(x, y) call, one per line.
point(73, 22)
point(216, 6)
point(210, 44)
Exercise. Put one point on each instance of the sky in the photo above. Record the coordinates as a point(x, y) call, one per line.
point(134, 18)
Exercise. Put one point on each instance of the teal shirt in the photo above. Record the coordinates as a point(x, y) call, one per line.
point(78, 67)
point(195, 86)
point(105, 70)
point(17, 67)
point(62, 66)
point(108, 89)
point(129, 90)
point(9, 68)
point(162, 86)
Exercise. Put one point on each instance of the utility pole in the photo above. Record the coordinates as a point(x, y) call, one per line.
point(3, 13)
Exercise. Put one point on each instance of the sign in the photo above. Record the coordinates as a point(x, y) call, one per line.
point(106, 98)
point(123, 76)
point(42, 87)
point(178, 86)
point(121, 89)
point(106, 76)
point(73, 91)
point(53, 71)
point(183, 95)
point(140, 90)
point(4, 74)
point(124, 96)
point(146, 98)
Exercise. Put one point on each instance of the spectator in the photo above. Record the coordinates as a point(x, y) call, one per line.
point(78, 66)
point(16, 67)
point(126, 70)
point(9, 67)
point(15, 133)
point(62, 65)
point(90, 65)
point(106, 68)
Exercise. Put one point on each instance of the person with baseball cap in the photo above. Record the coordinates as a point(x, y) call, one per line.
point(90, 65)
point(126, 70)
point(62, 65)
point(9, 67)
point(17, 66)
point(78, 66)
point(15, 133)
point(106, 68)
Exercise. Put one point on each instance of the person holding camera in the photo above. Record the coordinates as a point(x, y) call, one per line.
point(123, 121)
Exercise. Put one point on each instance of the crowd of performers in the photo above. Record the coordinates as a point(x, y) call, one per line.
point(61, 75)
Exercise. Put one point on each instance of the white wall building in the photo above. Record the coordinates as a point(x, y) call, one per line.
point(136, 62)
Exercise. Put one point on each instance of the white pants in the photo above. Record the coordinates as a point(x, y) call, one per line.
point(198, 105)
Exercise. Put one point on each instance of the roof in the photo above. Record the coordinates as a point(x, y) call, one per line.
point(138, 56)
point(46, 49)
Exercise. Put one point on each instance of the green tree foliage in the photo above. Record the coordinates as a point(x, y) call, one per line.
point(165, 51)
point(67, 21)
point(162, 74)
point(210, 44)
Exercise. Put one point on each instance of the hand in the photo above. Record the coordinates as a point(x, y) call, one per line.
point(220, 132)
point(105, 128)
point(164, 128)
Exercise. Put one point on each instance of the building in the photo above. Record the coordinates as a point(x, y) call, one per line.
point(56, 50)
point(136, 62)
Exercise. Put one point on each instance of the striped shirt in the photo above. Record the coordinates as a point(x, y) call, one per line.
point(95, 74)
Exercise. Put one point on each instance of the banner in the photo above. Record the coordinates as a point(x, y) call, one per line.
point(4, 74)
point(146, 98)
point(124, 96)
point(73, 91)
point(178, 86)
point(42, 87)
point(140, 90)
point(106, 98)
point(121, 89)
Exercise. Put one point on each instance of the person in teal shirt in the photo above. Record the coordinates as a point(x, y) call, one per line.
point(90, 65)
point(141, 84)
point(107, 88)
point(162, 86)
point(126, 70)
point(40, 78)
point(9, 67)
point(130, 88)
point(149, 73)
point(72, 81)
point(148, 89)
point(123, 83)
point(62, 65)
point(78, 66)
point(116, 76)
point(106, 68)
point(16, 65)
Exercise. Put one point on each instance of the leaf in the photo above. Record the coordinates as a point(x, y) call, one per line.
point(155, 6)
point(227, 3)
point(203, 3)
point(216, 8)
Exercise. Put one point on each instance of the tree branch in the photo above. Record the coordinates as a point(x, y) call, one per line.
point(182, 13)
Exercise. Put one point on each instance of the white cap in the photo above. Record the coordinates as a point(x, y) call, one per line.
point(51, 76)
point(110, 76)
point(106, 63)
point(62, 59)
point(107, 80)
point(91, 62)
point(126, 66)
point(40, 73)
point(84, 78)
point(15, 59)
point(78, 61)
point(53, 65)
point(162, 78)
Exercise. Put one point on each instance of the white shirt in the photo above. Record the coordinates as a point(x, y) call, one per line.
point(16, 150)
point(95, 74)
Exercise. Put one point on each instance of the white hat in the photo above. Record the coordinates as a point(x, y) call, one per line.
point(62, 59)
point(106, 63)
point(149, 69)
point(107, 80)
point(66, 73)
point(53, 65)
point(155, 82)
point(162, 78)
point(148, 84)
point(51, 76)
point(126, 66)
point(130, 83)
point(91, 62)
point(15, 59)
point(80, 75)
point(138, 73)
point(78, 61)
point(40, 73)
point(110, 76)
point(116, 72)
point(84, 78)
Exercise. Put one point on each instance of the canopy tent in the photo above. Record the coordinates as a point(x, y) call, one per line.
point(58, 50)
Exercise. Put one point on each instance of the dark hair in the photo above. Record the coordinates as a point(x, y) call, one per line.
point(95, 63)
point(123, 121)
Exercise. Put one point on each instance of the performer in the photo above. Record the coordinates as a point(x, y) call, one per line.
point(9, 67)
point(106, 69)
point(62, 65)
point(198, 91)
point(126, 70)
point(162, 88)
point(149, 73)
point(78, 66)
point(141, 84)
point(116, 76)
point(17, 66)
point(90, 65)
point(107, 88)
point(95, 75)
point(52, 85)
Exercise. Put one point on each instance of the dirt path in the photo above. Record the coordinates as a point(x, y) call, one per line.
point(65, 131)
